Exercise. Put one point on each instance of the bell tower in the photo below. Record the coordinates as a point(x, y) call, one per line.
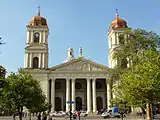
point(116, 29)
point(115, 37)
point(36, 49)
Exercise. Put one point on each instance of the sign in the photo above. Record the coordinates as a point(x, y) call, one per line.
point(70, 102)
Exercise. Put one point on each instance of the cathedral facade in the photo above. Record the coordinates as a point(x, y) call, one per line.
point(78, 81)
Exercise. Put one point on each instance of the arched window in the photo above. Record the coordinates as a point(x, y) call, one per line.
point(36, 37)
point(35, 62)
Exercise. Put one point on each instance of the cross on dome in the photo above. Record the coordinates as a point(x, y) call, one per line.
point(38, 10)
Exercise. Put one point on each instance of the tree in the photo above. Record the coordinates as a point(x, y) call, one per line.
point(129, 56)
point(136, 39)
point(142, 82)
point(23, 91)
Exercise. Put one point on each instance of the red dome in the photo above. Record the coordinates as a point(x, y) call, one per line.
point(118, 23)
point(38, 20)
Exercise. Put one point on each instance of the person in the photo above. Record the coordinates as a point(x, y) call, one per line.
point(39, 116)
point(14, 115)
point(49, 117)
point(44, 116)
point(78, 115)
point(74, 115)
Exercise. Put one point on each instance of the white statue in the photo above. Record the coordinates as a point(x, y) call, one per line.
point(70, 55)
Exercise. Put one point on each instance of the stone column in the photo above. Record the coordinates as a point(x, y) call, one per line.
point(53, 95)
point(108, 94)
point(28, 37)
point(94, 95)
point(48, 91)
point(44, 37)
point(73, 94)
point(88, 95)
point(40, 37)
point(31, 60)
point(40, 61)
point(67, 94)
point(43, 60)
point(32, 36)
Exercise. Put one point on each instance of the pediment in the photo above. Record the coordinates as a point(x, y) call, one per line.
point(79, 65)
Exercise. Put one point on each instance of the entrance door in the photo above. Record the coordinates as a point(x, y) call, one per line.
point(99, 103)
point(78, 103)
point(58, 106)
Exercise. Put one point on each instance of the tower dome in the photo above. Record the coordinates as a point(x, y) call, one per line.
point(118, 23)
point(38, 20)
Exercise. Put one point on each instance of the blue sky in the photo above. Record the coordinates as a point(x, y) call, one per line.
point(72, 23)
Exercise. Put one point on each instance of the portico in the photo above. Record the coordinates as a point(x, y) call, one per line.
point(76, 82)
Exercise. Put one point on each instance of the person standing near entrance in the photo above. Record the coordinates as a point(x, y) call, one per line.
point(78, 115)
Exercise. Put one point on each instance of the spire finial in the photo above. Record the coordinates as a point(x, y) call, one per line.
point(38, 10)
point(117, 13)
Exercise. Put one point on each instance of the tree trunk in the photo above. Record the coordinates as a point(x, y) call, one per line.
point(148, 111)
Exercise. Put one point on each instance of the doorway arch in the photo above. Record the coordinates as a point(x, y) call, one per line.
point(99, 103)
point(78, 103)
point(58, 104)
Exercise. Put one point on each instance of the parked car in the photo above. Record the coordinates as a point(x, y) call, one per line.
point(83, 113)
point(58, 114)
point(110, 114)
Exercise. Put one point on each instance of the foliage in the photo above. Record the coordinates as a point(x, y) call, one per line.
point(142, 82)
point(135, 40)
point(133, 55)
point(22, 91)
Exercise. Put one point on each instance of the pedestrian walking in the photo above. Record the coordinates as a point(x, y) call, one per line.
point(78, 115)
point(14, 116)
point(38, 116)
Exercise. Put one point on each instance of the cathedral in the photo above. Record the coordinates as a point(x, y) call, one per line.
point(77, 81)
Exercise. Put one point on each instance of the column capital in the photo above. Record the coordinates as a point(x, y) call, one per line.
point(94, 79)
point(73, 79)
point(53, 79)
point(88, 78)
point(67, 78)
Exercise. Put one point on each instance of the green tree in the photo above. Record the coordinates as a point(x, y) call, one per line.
point(23, 91)
point(142, 82)
point(129, 55)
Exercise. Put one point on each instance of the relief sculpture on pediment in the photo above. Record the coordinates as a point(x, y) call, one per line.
point(80, 66)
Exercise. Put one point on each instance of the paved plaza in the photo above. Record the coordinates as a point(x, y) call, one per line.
point(82, 118)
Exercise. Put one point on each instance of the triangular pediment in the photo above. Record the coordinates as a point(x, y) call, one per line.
point(79, 64)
